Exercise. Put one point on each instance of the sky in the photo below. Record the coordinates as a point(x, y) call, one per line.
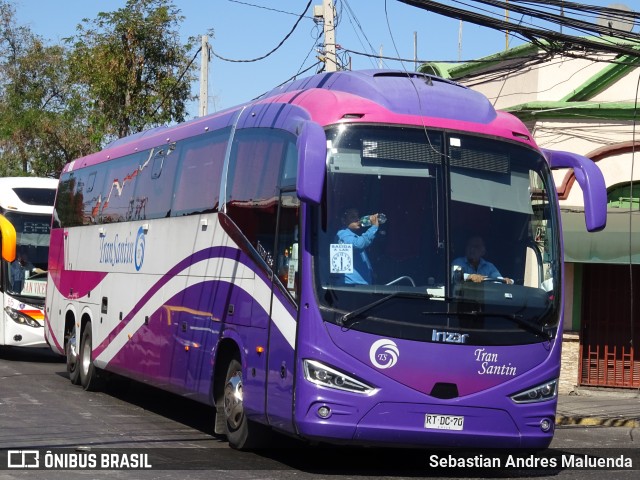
point(249, 29)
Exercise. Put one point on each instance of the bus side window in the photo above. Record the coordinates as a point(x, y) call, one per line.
point(198, 186)
point(252, 194)
point(117, 192)
point(154, 187)
point(69, 202)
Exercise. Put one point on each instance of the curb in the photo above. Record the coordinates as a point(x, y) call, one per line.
point(563, 420)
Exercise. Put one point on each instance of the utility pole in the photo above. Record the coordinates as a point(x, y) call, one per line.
point(506, 34)
point(204, 76)
point(460, 41)
point(327, 13)
point(415, 51)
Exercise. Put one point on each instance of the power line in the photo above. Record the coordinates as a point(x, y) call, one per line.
point(184, 72)
point(274, 49)
point(354, 18)
point(266, 8)
point(288, 80)
point(399, 59)
point(562, 17)
point(556, 41)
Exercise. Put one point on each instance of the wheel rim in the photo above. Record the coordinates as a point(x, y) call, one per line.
point(233, 408)
point(86, 355)
point(72, 354)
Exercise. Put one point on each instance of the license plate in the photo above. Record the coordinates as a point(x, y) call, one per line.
point(443, 422)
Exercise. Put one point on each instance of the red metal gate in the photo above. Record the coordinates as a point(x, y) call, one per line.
point(610, 338)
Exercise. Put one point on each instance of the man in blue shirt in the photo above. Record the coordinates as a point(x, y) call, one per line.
point(350, 233)
point(21, 269)
point(475, 268)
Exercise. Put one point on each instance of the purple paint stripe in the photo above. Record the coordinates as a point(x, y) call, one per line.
point(207, 253)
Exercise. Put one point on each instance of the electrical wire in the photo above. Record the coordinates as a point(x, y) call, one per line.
point(354, 18)
point(287, 80)
point(562, 18)
point(170, 92)
point(313, 47)
point(633, 159)
point(556, 41)
point(410, 77)
point(266, 8)
point(274, 49)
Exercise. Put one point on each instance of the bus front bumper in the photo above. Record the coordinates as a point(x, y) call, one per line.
point(406, 424)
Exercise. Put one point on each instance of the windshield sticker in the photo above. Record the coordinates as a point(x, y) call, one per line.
point(341, 255)
point(384, 353)
point(490, 364)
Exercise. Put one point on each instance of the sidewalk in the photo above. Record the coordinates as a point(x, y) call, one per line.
point(592, 406)
point(619, 408)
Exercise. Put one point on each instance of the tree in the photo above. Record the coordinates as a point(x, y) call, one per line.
point(132, 68)
point(41, 127)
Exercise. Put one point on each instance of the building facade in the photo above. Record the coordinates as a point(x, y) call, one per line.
point(587, 104)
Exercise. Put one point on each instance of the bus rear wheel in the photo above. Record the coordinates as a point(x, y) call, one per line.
point(73, 359)
point(89, 374)
point(241, 432)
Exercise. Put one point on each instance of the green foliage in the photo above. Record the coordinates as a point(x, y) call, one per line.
point(123, 72)
point(132, 66)
point(37, 135)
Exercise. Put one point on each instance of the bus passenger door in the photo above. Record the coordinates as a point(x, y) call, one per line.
point(282, 327)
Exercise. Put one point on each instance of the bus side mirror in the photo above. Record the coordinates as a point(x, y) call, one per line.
point(8, 234)
point(591, 181)
point(312, 157)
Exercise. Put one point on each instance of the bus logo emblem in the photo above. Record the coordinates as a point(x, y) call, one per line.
point(384, 353)
point(139, 250)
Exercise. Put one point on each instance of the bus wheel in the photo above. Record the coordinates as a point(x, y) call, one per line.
point(241, 432)
point(89, 375)
point(73, 360)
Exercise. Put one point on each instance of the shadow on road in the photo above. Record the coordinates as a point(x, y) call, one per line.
point(30, 355)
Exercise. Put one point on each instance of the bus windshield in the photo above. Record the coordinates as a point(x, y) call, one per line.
point(468, 252)
point(26, 275)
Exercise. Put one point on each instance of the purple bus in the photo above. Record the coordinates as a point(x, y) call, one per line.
point(241, 260)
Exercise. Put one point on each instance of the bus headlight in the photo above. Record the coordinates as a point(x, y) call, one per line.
point(540, 393)
point(21, 318)
point(325, 376)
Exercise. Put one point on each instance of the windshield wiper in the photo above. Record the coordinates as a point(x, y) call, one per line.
point(348, 319)
point(516, 318)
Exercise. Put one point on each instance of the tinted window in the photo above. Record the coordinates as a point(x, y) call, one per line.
point(154, 188)
point(117, 192)
point(36, 196)
point(68, 208)
point(201, 161)
point(255, 171)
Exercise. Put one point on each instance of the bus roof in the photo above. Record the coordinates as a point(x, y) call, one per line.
point(396, 97)
point(366, 96)
point(17, 194)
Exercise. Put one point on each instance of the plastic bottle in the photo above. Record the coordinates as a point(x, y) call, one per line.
point(458, 276)
point(366, 220)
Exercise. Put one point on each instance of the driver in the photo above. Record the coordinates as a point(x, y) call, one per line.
point(474, 267)
point(22, 269)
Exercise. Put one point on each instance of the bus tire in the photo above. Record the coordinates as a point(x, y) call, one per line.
point(73, 359)
point(89, 374)
point(242, 433)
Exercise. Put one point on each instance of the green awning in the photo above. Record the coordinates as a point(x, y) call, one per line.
point(618, 243)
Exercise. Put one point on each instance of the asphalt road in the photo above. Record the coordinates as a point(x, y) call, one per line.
point(41, 411)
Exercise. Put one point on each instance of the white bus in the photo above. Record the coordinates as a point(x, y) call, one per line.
point(26, 206)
